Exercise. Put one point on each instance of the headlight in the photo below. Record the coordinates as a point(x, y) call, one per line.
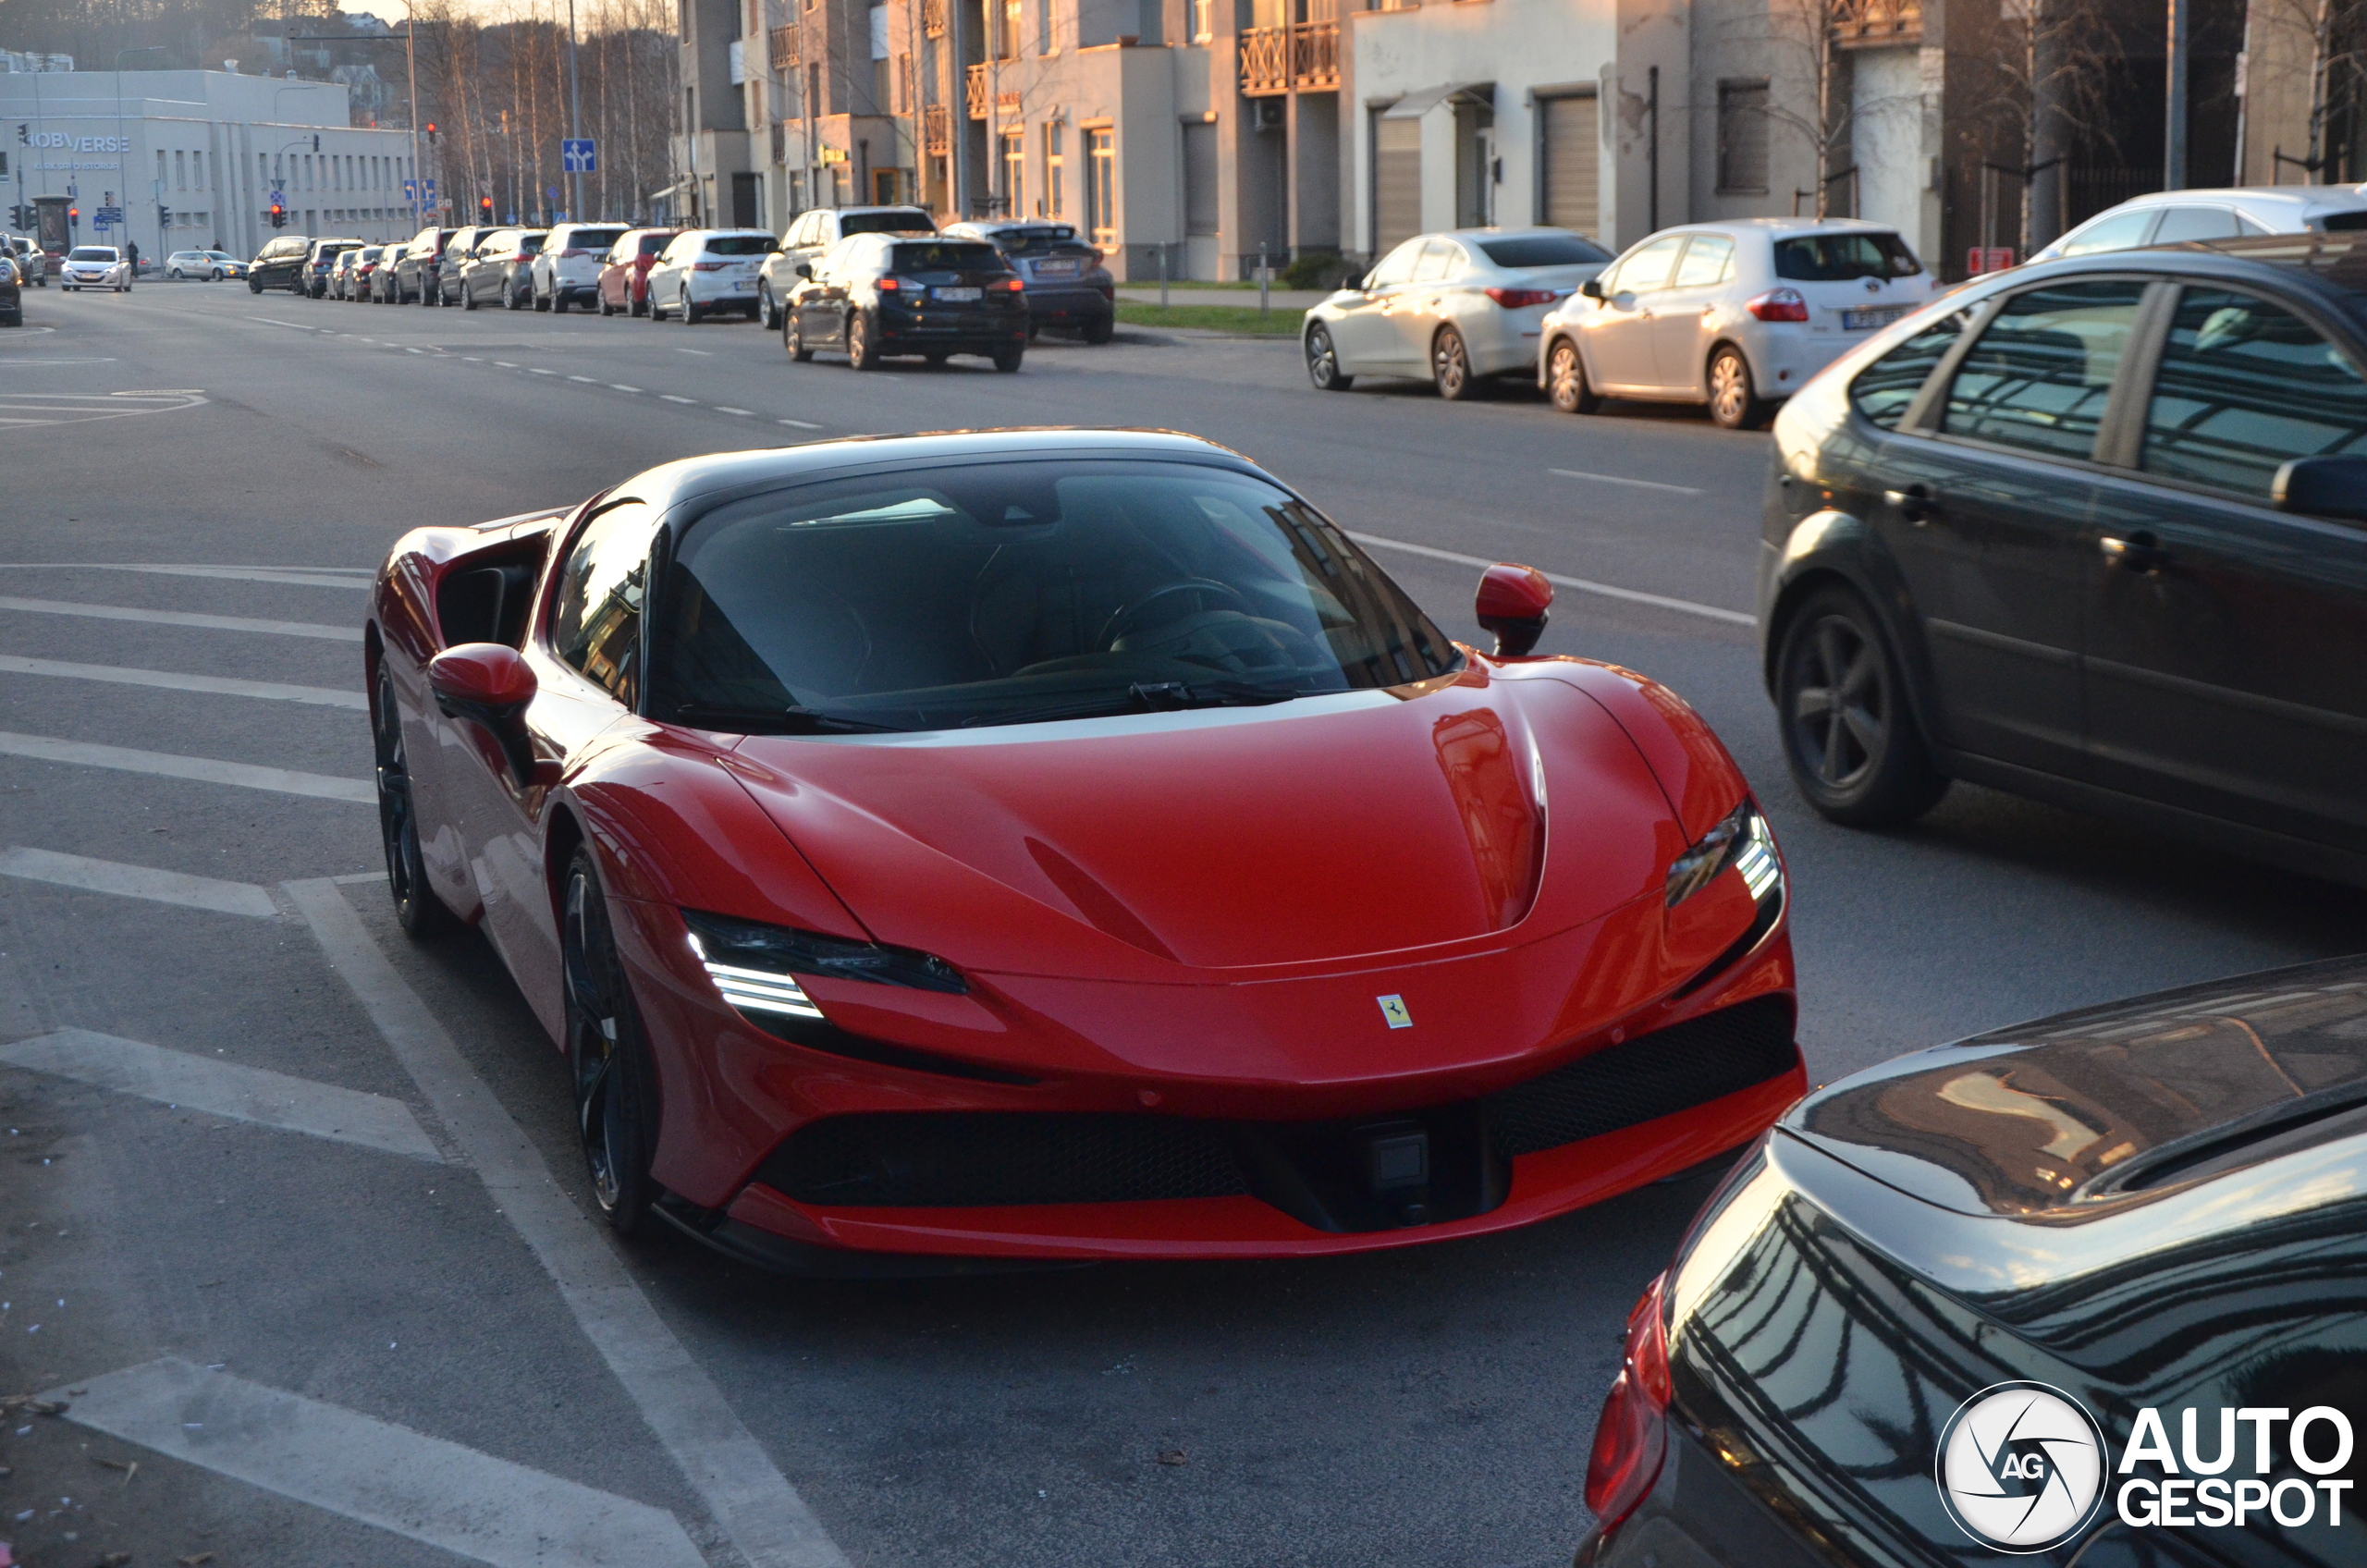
point(754, 965)
point(1744, 841)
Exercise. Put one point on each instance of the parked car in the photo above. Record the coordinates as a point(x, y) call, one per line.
point(1737, 316)
point(341, 279)
point(813, 231)
point(95, 266)
point(353, 283)
point(566, 269)
point(1067, 286)
point(1455, 308)
point(2092, 531)
point(12, 290)
point(703, 271)
point(459, 252)
point(1046, 992)
point(32, 262)
point(881, 294)
point(318, 263)
point(279, 264)
point(2168, 218)
point(417, 274)
point(624, 271)
point(499, 269)
point(1972, 1302)
point(385, 278)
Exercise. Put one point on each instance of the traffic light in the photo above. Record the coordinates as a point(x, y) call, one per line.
point(484, 205)
point(316, 142)
point(278, 216)
point(164, 216)
point(73, 214)
point(431, 133)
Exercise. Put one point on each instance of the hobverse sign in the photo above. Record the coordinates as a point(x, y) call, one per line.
point(59, 139)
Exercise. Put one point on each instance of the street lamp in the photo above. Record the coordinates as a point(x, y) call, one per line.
point(125, 143)
point(575, 121)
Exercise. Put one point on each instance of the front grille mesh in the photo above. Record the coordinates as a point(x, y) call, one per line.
point(992, 1159)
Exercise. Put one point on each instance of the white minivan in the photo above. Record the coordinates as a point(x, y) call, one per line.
point(1736, 315)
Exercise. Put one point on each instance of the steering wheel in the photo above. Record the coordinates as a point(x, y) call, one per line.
point(1116, 625)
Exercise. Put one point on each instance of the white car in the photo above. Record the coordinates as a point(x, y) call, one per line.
point(2166, 217)
point(813, 231)
point(706, 270)
point(1736, 315)
point(1454, 308)
point(95, 266)
point(566, 269)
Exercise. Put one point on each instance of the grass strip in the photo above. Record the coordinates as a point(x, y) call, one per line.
point(1214, 318)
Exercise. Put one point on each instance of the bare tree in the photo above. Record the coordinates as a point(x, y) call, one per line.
point(2050, 67)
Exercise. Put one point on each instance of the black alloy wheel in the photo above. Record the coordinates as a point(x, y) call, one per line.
point(1323, 362)
point(860, 350)
point(615, 1088)
point(421, 912)
point(1451, 366)
point(792, 338)
point(1734, 402)
point(1565, 380)
point(1855, 751)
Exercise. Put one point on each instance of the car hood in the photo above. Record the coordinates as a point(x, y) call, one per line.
point(1467, 814)
point(2060, 1116)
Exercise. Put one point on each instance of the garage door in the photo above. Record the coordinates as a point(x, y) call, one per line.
point(1397, 182)
point(1573, 165)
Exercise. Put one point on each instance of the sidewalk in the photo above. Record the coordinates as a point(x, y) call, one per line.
point(1291, 299)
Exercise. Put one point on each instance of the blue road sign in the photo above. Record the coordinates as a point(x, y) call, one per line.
point(427, 191)
point(578, 154)
point(106, 216)
point(410, 191)
point(552, 192)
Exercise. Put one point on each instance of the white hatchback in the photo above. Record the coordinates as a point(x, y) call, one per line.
point(2167, 217)
point(706, 270)
point(566, 269)
point(95, 266)
point(1736, 315)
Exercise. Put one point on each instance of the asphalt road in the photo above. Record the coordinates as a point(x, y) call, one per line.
point(334, 1316)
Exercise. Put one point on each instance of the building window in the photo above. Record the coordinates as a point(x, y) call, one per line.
point(1014, 173)
point(1006, 41)
point(180, 171)
point(1742, 138)
point(160, 168)
point(1101, 186)
point(1055, 174)
point(197, 169)
point(1204, 20)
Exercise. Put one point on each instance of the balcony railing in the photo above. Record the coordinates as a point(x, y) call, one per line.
point(936, 132)
point(975, 93)
point(783, 41)
point(1869, 24)
point(933, 19)
point(1302, 57)
point(780, 144)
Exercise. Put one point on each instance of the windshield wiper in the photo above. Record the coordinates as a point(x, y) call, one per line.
point(791, 720)
point(1158, 696)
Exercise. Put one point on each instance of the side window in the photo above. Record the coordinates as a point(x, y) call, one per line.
point(1436, 256)
point(2195, 223)
point(2042, 372)
point(1710, 259)
point(2118, 233)
point(1397, 266)
point(1885, 390)
point(2243, 385)
point(595, 620)
point(1648, 268)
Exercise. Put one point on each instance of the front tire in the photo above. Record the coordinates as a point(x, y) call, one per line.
point(1007, 360)
point(860, 354)
point(1323, 362)
point(615, 1086)
point(1565, 380)
point(792, 338)
point(1734, 402)
point(689, 308)
point(467, 298)
point(1854, 749)
point(417, 909)
point(765, 316)
point(1451, 366)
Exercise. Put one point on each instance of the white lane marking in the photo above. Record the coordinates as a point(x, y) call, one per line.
point(472, 358)
point(202, 770)
point(226, 1089)
point(620, 386)
point(744, 414)
point(138, 882)
point(1608, 591)
point(504, 364)
point(184, 617)
point(537, 370)
point(268, 321)
point(799, 423)
point(587, 380)
point(409, 351)
point(66, 408)
point(756, 1507)
point(485, 1509)
point(671, 398)
point(298, 577)
point(170, 680)
point(1619, 479)
point(703, 353)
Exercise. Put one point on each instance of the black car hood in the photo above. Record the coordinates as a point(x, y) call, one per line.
point(2065, 1115)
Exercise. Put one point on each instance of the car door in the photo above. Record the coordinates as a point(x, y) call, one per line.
point(2227, 668)
point(1617, 336)
point(825, 301)
point(1989, 513)
point(1420, 306)
point(1703, 278)
point(1364, 334)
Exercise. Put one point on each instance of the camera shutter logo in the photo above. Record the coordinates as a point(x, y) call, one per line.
point(2022, 1467)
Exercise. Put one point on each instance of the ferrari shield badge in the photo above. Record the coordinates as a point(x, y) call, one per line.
point(1393, 1009)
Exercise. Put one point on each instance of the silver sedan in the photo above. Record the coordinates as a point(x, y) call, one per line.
point(1453, 309)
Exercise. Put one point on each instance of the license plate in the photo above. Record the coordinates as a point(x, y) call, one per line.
point(957, 295)
point(1871, 317)
point(1055, 269)
point(743, 285)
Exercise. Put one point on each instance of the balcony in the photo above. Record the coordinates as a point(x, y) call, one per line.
point(936, 130)
point(782, 41)
point(1872, 24)
point(974, 95)
point(933, 19)
point(1302, 57)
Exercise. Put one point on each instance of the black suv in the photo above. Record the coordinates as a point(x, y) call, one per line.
point(873, 295)
point(278, 264)
point(318, 263)
point(2095, 532)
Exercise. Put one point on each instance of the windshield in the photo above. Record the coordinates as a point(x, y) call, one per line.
point(90, 253)
point(1542, 250)
point(1038, 239)
point(741, 244)
point(886, 223)
point(531, 244)
point(1007, 593)
point(592, 239)
point(949, 256)
point(653, 243)
point(1837, 258)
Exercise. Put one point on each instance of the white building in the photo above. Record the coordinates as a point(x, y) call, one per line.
point(192, 159)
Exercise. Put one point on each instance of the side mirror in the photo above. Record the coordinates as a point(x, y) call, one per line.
point(2329, 487)
point(487, 683)
point(1512, 603)
point(1591, 289)
point(805, 269)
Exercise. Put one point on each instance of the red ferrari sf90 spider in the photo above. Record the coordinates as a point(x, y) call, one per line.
point(1066, 845)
